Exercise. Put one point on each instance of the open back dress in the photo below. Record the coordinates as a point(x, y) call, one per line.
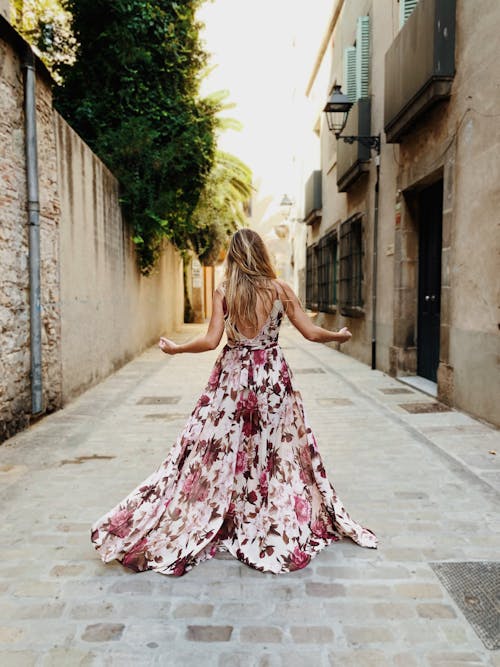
point(244, 476)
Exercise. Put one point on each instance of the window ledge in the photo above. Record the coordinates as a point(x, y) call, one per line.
point(352, 311)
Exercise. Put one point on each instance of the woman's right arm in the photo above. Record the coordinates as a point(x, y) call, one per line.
point(302, 322)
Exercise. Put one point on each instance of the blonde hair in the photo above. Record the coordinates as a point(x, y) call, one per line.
point(249, 272)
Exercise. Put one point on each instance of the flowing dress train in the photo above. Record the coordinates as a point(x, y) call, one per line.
point(244, 476)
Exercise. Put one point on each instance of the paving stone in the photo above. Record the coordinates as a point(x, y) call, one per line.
point(393, 611)
point(323, 590)
point(435, 611)
point(132, 586)
point(261, 634)
point(368, 634)
point(190, 610)
point(67, 570)
point(89, 610)
point(30, 589)
point(10, 635)
point(358, 658)
point(316, 634)
point(69, 657)
point(419, 591)
point(209, 633)
point(103, 632)
point(18, 658)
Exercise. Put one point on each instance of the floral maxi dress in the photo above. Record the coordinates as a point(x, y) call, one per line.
point(244, 476)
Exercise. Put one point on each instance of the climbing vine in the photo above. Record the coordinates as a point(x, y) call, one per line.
point(133, 95)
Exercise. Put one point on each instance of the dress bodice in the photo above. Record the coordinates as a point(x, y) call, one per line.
point(267, 336)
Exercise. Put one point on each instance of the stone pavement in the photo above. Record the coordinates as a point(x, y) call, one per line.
point(425, 482)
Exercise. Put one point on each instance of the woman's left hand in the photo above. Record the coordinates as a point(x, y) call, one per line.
point(167, 346)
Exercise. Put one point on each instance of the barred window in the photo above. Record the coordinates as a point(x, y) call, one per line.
point(327, 272)
point(351, 269)
point(322, 274)
point(312, 277)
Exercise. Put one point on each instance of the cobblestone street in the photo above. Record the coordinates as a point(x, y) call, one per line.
point(426, 482)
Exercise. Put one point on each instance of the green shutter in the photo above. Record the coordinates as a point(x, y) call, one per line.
point(362, 56)
point(406, 7)
point(350, 73)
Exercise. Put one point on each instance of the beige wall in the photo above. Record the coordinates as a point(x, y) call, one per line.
point(97, 310)
point(109, 312)
point(5, 9)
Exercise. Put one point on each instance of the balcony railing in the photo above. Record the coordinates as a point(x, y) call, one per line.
point(419, 66)
point(313, 200)
point(352, 159)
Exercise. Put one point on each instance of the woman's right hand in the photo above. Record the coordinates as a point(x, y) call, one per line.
point(344, 335)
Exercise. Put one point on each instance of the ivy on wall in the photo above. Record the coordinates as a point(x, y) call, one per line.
point(133, 95)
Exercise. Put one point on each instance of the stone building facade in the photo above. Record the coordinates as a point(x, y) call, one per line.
point(97, 310)
point(421, 74)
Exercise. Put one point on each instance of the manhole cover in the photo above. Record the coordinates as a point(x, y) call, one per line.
point(158, 400)
point(423, 408)
point(475, 587)
point(335, 401)
point(307, 371)
point(165, 416)
point(396, 390)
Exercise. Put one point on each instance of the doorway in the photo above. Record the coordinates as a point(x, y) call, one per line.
point(430, 226)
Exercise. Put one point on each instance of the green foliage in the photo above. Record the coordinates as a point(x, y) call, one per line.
point(133, 96)
point(220, 207)
point(46, 25)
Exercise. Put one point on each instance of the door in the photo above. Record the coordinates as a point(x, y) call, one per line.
point(429, 280)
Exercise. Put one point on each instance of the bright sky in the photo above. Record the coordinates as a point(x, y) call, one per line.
point(254, 45)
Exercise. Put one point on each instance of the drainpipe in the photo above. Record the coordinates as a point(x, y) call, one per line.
point(374, 272)
point(34, 231)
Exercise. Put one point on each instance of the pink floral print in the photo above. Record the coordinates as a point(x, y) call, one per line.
point(244, 476)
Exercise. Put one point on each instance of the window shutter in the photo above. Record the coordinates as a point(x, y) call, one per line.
point(406, 7)
point(350, 73)
point(362, 56)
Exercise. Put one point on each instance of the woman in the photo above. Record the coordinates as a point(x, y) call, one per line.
point(245, 474)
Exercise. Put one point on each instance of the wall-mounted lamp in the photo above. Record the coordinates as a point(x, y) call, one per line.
point(337, 110)
point(286, 206)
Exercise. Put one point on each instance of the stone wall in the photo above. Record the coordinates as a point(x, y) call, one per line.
point(97, 310)
point(15, 396)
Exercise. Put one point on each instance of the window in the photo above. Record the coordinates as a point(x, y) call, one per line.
point(357, 62)
point(322, 274)
point(327, 272)
point(351, 266)
point(406, 8)
point(312, 277)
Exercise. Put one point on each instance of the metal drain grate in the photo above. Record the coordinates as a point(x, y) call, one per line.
point(424, 408)
point(475, 587)
point(307, 371)
point(158, 400)
point(396, 390)
point(335, 401)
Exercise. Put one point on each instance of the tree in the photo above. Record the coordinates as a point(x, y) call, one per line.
point(133, 95)
point(220, 208)
point(46, 25)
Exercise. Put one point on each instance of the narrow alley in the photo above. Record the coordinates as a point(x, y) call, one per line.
point(427, 482)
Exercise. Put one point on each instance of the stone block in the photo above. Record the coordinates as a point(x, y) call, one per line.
point(368, 634)
point(103, 632)
point(209, 633)
point(324, 590)
point(312, 634)
point(430, 610)
point(261, 634)
point(192, 609)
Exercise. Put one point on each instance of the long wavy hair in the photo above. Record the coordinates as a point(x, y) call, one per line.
point(249, 272)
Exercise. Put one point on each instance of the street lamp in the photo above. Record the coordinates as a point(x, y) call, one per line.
point(286, 206)
point(337, 110)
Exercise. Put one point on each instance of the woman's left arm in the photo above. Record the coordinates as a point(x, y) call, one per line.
point(208, 341)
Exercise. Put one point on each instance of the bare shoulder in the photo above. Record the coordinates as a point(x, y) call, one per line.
point(285, 289)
